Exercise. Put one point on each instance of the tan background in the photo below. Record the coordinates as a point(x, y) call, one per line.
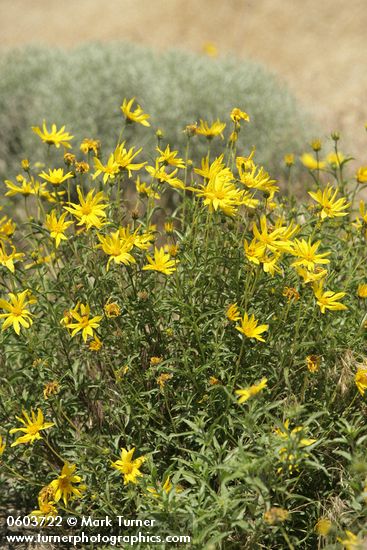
point(319, 47)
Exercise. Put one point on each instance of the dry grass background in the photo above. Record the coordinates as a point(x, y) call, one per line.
point(319, 47)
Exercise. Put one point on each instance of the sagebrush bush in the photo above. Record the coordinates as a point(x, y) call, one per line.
point(84, 86)
point(205, 363)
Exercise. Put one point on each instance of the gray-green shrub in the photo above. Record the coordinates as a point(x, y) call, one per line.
point(82, 87)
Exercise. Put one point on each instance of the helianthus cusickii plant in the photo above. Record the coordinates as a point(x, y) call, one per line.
point(205, 362)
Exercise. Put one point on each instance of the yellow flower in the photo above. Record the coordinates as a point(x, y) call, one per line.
point(143, 241)
point(89, 212)
point(233, 313)
point(145, 189)
point(245, 393)
point(112, 310)
point(293, 452)
point(110, 169)
point(335, 159)
point(361, 379)
point(330, 206)
point(8, 260)
point(316, 145)
point(311, 163)
point(161, 262)
point(168, 227)
point(362, 291)
point(172, 249)
point(129, 468)
point(57, 227)
point(18, 314)
point(54, 136)
point(220, 193)
point(352, 542)
point(313, 362)
point(56, 177)
point(2, 445)
point(270, 264)
point(210, 49)
point(25, 188)
point(134, 116)
point(361, 223)
point(159, 173)
point(323, 527)
point(155, 360)
point(169, 157)
point(275, 239)
point(207, 170)
point(163, 379)
point(328, 299)
point(45, 510)
point(254, 251)
point(7, 227)
point(306, 254)
point(289, 159)
point(95, 344)
point(237, 115)
point(31, 427)
point(83, 322)
point(361, 174)
point(63, 486)
point(311, 276)
point(213, 381)
point(51, 388)
point(216, 129)
point(88, 145)
point(250, 328)
point(276, 515)
point(123, 158)
point(116, 248)
point(39, 258)
point(165, 488)
point(25, 165)
point(255, 177)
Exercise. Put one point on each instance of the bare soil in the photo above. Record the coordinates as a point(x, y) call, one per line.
point(319, 47)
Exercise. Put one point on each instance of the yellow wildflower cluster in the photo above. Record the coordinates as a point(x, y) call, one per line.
point(156, 290)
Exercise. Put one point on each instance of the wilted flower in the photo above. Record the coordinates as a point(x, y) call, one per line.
point(313, 362)
point(323, 527)
point(50, 389)
point(112, 309)
point(163, 379)
point(276, 515)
